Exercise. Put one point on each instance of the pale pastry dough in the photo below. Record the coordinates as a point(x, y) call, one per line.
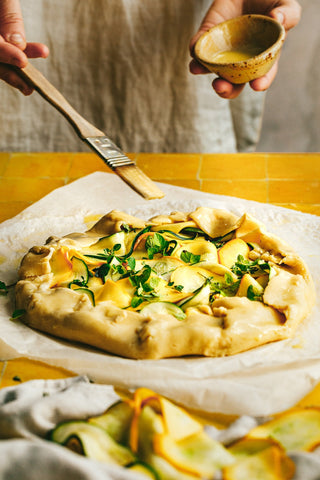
point(89, 288)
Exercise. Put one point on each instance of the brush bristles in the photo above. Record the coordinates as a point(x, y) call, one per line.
point(139, 181)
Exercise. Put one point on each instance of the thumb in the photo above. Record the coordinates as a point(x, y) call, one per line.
point(11, 23)
point(211, 19)
point(288, 13)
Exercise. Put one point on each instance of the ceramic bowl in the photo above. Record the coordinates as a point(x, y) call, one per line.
point(241, 49)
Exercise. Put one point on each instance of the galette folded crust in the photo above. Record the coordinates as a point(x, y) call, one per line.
point(231, 324)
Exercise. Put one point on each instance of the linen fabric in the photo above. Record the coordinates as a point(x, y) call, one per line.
point(123, 65)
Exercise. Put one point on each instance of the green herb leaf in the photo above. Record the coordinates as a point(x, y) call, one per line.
point(125, 228)
point(220, 241)
point(228, 288)
point(253, 295)
point(18, 313)
point(134, 242)
point(144, 284)
point(147, 287)
point(156, 244)
point(102, 271)
point(80, 282)
point(131, 263)
point(178, 287)
point(170, 247)
point(120, 269)
point(253, 267)
point(195, 232)
point(144, 276)
point(3, 288)
point(228, 279)
point(136, 301)
point(189, 257)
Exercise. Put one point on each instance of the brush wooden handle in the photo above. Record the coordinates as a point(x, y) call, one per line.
point(129, 172)
point(35, 78)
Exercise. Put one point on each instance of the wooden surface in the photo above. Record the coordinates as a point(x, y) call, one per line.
point(288, 180)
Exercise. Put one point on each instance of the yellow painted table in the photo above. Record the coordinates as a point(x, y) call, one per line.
point(288, 180)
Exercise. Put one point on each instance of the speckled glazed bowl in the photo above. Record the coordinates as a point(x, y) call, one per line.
point(241, 49)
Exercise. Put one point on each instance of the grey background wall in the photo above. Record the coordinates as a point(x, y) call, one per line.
point(291, 120)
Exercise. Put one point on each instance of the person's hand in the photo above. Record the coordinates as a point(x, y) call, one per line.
point(14, 50)
point(287, 12)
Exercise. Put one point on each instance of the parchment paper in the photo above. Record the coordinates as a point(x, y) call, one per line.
point(259, 382)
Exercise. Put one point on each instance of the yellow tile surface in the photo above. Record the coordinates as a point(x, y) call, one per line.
point(85, 163)
point(169, 165)
point(234, 166)
point(31, 164)
point(10, 209)
point(23, 369)
point(289, 180)
point(300, 166)
point(313, 209)
point(248, 189)
point(4, 159)
point(294, 191)
point(27, 189)
point(194, 184)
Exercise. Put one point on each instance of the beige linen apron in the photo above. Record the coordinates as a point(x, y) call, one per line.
point(123, 64)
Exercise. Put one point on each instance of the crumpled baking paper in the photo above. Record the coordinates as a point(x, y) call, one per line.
point(264, 380)
point(30, 410)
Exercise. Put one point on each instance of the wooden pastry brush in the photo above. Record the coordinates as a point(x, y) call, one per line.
point(97, 140)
